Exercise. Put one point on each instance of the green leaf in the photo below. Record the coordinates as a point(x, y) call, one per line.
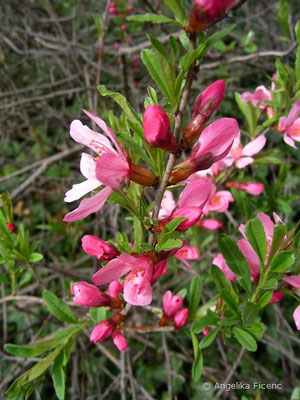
point(207, 340)
point(257, 238)
point(257, 329)
point(171, 244)
point(264, 299)
point(219, 278)
point(245, 108)
point(234, 258)
point(245, 339)
point(58, 308)
point(35, 257)
point(58, 377)
point(153, 18)
point(162, 72)
point(203, 322)
point(279, 233)
point(270, 284)
point(182, 293)
point(135, 147)
point(197, 367)
point(159, 47)
point(131, 114)
point(231, 299)
point(282, 261)
point(177, 7)
point(249, 313)
point(40, 347)
point(98, 314)
point(173, 224)
point(195, 296)
point(218, 36)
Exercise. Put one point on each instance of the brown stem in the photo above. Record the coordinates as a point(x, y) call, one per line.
point(176, 133)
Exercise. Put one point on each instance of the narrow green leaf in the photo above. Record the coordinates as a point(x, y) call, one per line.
point(282, 261)
point(58, 377)
point(58, 308)
point(173, 224)
point(153, 18)
point(197, 367)
point(264, 299)
point(207, 340)
point(135, 147)
point(35, 257)
point(176, 6)
point(98, 314)
point(203, 322)
point(231, 299)
point(171, 244)
point(279, 233)
point(257, 238)
point(249, 313)
point(257, 329)
point(218, 36)
point(195, 296)
point(245, 339)
point(219, 278)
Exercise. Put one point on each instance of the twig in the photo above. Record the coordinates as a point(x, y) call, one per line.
point(123, 376)
point(168, 365)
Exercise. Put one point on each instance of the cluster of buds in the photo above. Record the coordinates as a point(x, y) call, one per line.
point(173, 311)
point(119, 8)
point(107, 328)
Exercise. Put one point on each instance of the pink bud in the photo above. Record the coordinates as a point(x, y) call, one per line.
point(277, 296)
point(115, 288)
point(253, 188)
point(123, 27)
point(120, 341)
point(129, 10)
point(117, 46)
point(12, 227)
point(205, 331)
point(180, 318)
point(209, 224)
point(88, 295)
point(205, 12)
point(102, 331)
point(157, 127)
point(171, 304)
point(97, 247)
point(191, 214)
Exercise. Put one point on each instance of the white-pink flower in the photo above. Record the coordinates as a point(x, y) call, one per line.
point(187, 253)
point(109, 167)
point(240, 155)
point(290, 126)
point(218, 201)
point(258, 97)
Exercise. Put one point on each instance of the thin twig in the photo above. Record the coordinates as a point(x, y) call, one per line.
point(168, 365)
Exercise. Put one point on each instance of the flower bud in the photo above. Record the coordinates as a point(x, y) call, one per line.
point(12, 227)
point(253, 188)
point(88, 295)
point(209, 224)
point(205, 12)
point(120, 341)
point(277, 296)
point(115, 288)
point(97, 247)
point(171, 304)
point(156, 125)
point(191, 214)
point(102, 331)
point(205, 331)
point(180, 318)
point(142, 175)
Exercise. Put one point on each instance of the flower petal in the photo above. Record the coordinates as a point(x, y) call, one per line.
point(114, 270)
point(255, 146)
point(80, 189)
point(111, 170)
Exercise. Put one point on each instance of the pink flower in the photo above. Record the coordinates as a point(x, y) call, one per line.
point(97, 247)
point(253, 188)
point(213, 145)
point(220, 262)
point(218, 201)
point(241, 156)
point(159, 269)
point(277, 296)
point(167, 205)
point(205, 331)
point(180, 318)
point(251, 257)
point(205, 105)
point(156, 125)
point(258, 97)
point(290, 126)
point(293, 280)
point(123, 27)
point(115, 288)
point(137, 284)
point(171, 304)
point(187, 253)
point(11, 227)
point(102, 331)
point(119, 340)
point(117, 46)
point(109, 168)
point(88, 295)
point(205, 12)
point(296, 316)
point(190, 204)
point(209, 224)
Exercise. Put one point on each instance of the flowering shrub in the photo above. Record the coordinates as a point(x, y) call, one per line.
point(174, 173)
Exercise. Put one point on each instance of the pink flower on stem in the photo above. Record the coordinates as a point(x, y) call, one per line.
point(253, 188)
point(180, 318)
point(88, 295)
point(218, 201)
point(290, 126)
point(205, 105)
point(213, 145)
point(190, 204)
point(119, 340)
point(171, 304)
point(205, 12)
point(251, 257)
point(240, 155)
point(293, 280)
point(97, 247)
point(157, 129)
point(109, 168)
point(102, 331)
point(137, 284)
point(209, 224)
point(258, 97)
point(187, 253)
point(220, 262)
